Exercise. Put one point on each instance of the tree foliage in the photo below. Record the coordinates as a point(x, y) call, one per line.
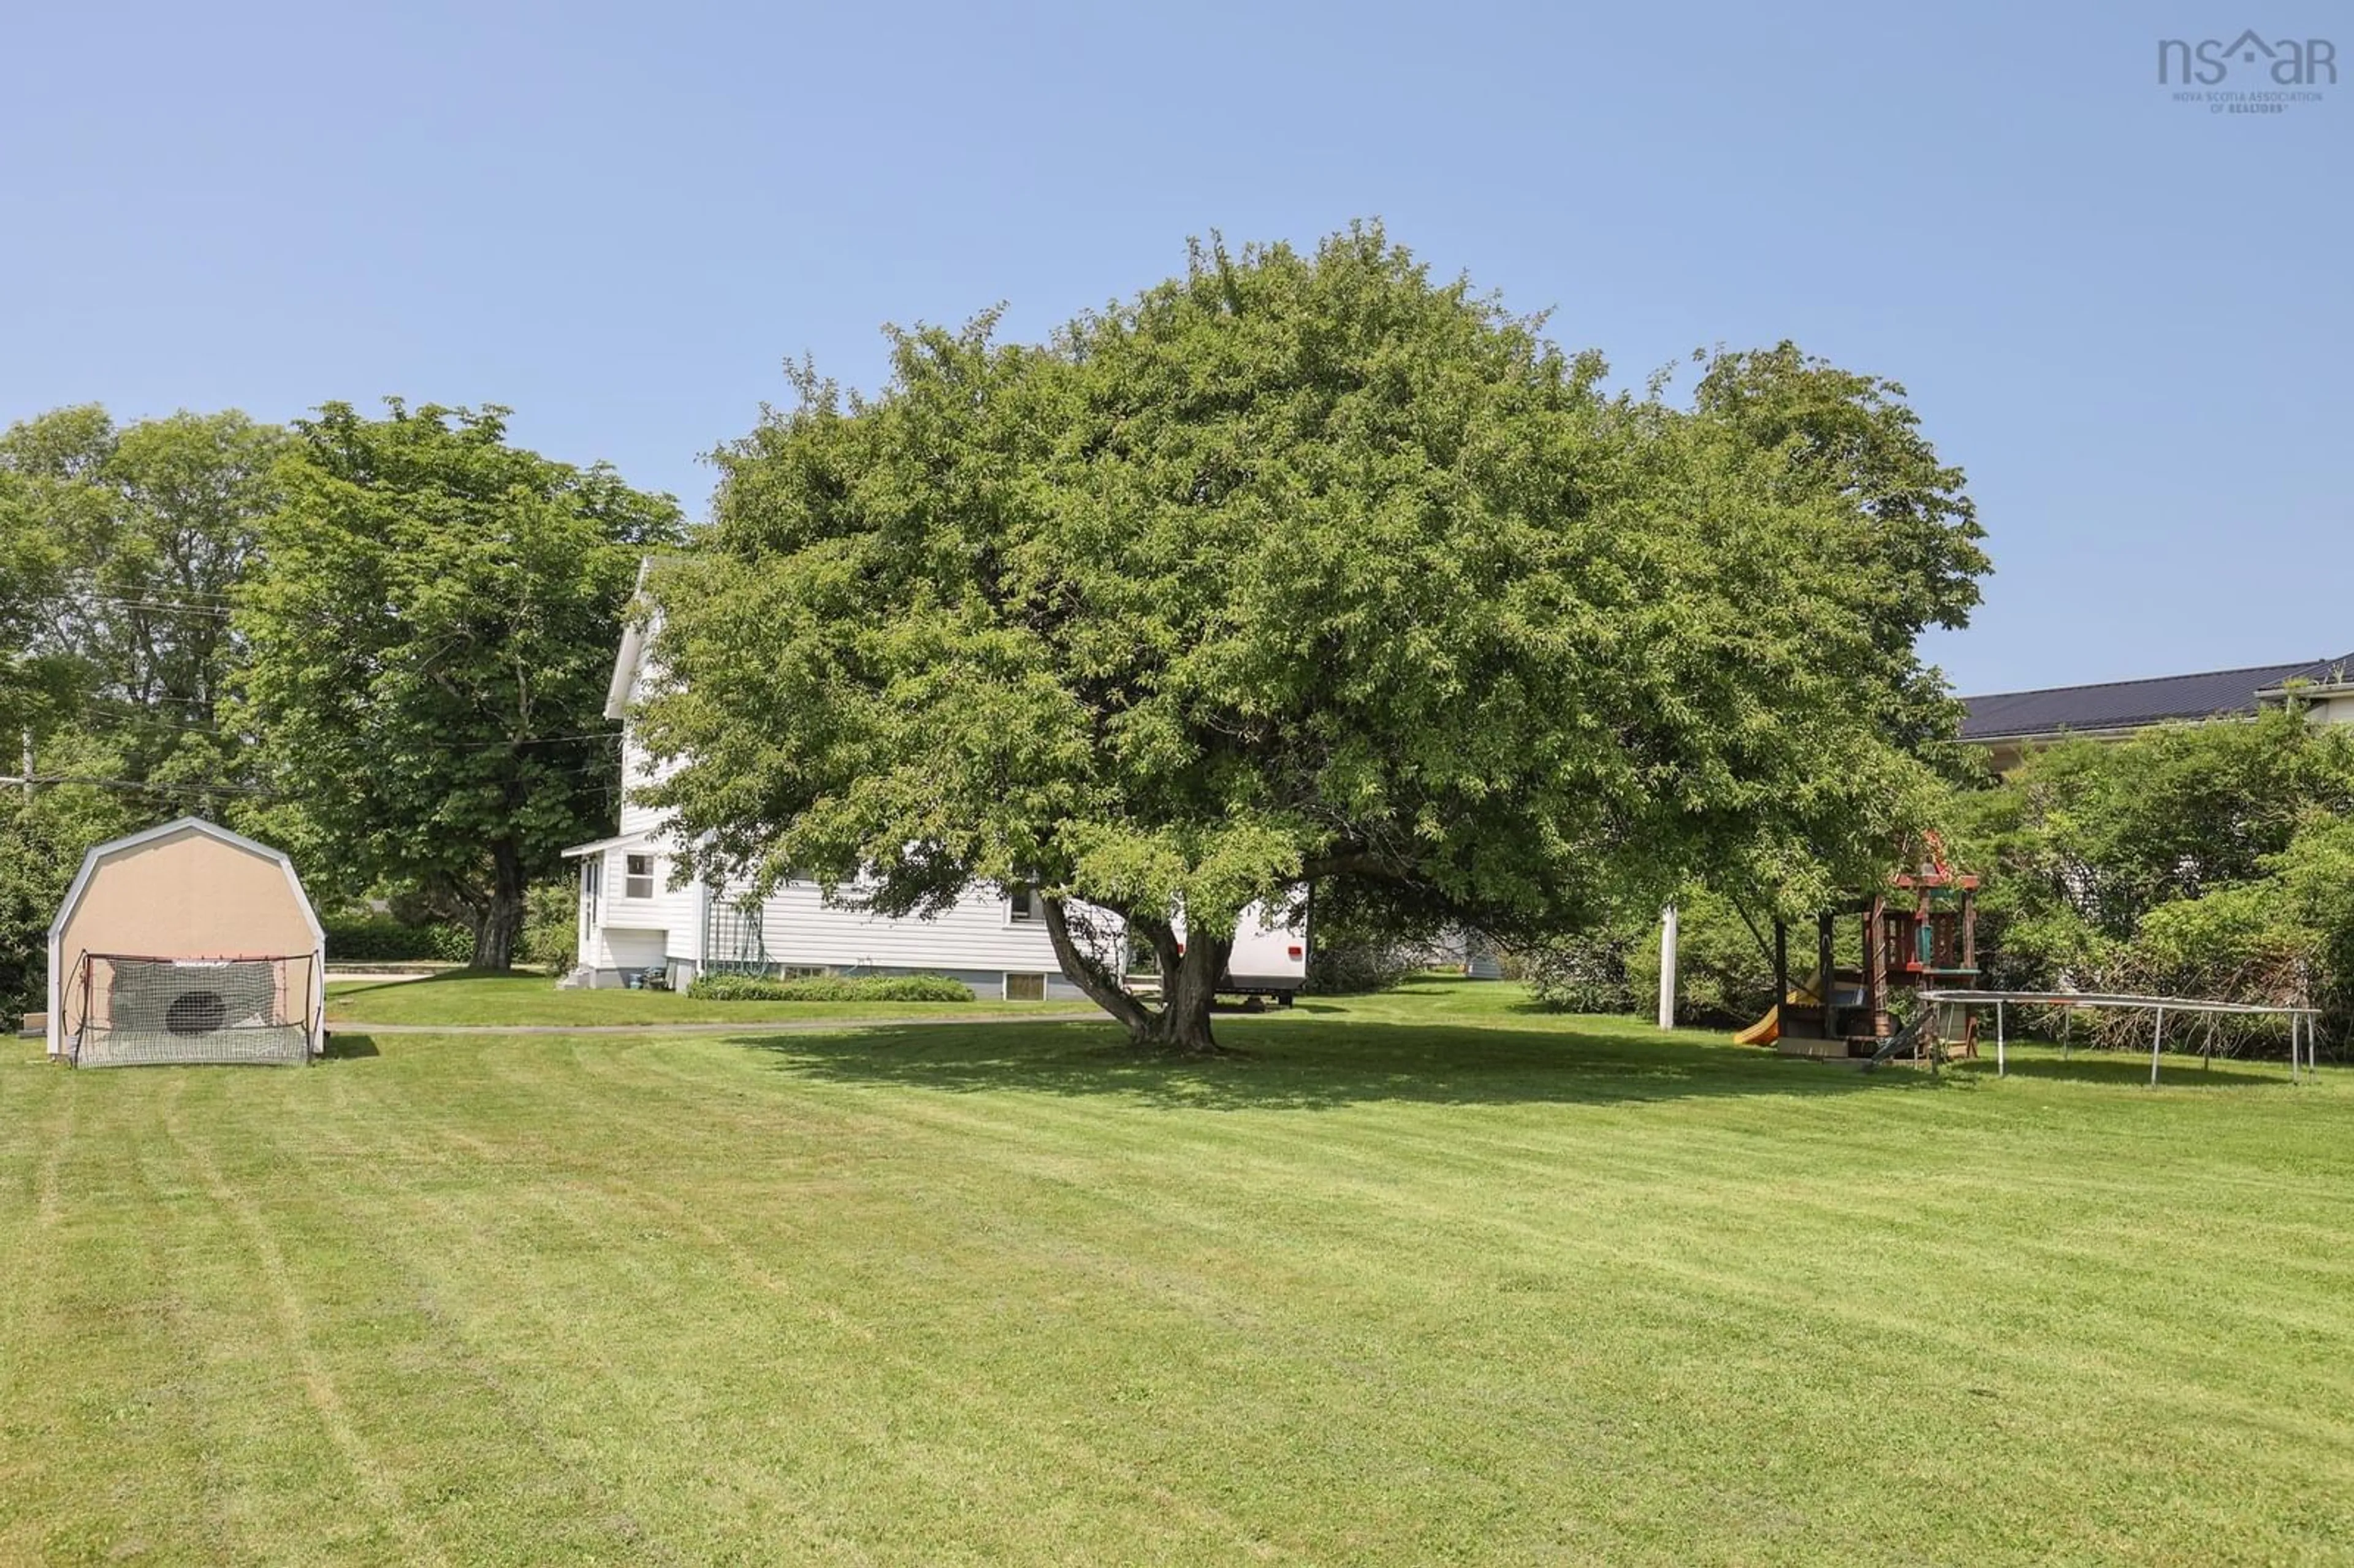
point(32, 678)
point(1302, 566)
point(120, 549)
point(43, 833)
point(430, 638)
point(2204, 860)
point(145, 532)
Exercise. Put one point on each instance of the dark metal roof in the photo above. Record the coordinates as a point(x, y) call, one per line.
point(2127, 704)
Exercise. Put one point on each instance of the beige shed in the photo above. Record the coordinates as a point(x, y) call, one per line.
point(186, 943)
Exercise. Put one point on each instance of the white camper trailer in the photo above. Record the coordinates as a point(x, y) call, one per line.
point(1270, 954)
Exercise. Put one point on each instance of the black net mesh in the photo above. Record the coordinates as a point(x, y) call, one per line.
point(138, 1011)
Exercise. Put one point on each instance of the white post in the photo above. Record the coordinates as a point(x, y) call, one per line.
point(1668, 967)
point(27, 736)
point(2156, 1034)
point(2002, 1064)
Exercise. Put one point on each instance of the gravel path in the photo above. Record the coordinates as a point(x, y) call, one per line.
point(802, 1025)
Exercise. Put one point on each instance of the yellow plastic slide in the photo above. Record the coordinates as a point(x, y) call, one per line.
point(1768, 1029)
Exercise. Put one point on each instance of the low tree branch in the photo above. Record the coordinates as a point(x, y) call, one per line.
point(1101, 986)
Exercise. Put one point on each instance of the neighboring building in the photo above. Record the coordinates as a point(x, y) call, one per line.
point(2008, 723)
point(633, 921)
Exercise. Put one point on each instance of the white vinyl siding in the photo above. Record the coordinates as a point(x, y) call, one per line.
point(646, 903)
point(638, 770)
point(984, 937)
point(799, 927)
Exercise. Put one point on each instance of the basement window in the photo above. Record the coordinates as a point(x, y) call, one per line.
point(1025, 988)
point(638, 880)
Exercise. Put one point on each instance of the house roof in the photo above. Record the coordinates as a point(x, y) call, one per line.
point(2130, 704)
point(618, 841)
point(619, 689)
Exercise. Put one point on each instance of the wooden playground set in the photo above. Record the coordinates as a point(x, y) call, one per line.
point(1918, 933)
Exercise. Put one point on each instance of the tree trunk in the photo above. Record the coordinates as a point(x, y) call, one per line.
point(501, 920)
point(1189, 983)
point(1183, 1024)
point(1100, 985)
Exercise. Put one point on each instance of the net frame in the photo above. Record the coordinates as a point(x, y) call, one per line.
point(270, 1017)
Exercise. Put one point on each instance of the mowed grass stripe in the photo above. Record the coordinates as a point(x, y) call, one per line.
point(618, 1241)
point(1270, 1173)
point(1279, 1176)
point(615, 1239)
point(1390, 1289)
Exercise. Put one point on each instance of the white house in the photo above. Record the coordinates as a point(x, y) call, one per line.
point(633, 921)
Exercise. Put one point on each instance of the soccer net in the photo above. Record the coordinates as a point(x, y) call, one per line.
point(147, 1010)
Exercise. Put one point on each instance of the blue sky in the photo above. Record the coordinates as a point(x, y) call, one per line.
point(2128, 318)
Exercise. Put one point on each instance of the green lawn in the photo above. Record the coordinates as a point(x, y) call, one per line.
point(1418, 1280)
point(461, 996)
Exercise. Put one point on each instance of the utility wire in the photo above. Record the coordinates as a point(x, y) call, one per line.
point(88, 603)
point(186, 787)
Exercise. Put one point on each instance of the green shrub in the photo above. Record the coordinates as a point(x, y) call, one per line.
point(550, 929)
point(1582, 974)
point(830, 988)
point(1724, 974)
point(1344, 968)
point(380, 938)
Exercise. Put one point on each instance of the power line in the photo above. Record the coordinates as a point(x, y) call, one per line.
point(154, 721)
point(88, 601)
point(123, 711)
point(189, 786)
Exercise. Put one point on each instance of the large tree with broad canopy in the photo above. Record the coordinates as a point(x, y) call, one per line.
point(1309, 566)
point(429, 640)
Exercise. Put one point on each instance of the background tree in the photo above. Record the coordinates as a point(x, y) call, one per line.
point(150, 528)
point(43, 833)
point(2197, 860)
point(429, 644)
point(1852, 442)
point(32, 678)
point(120, 548)
point(1295, 568)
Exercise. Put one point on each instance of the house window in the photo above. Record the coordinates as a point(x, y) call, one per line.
point(638, 880)
point(1025, 988)
point(1023, 905)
